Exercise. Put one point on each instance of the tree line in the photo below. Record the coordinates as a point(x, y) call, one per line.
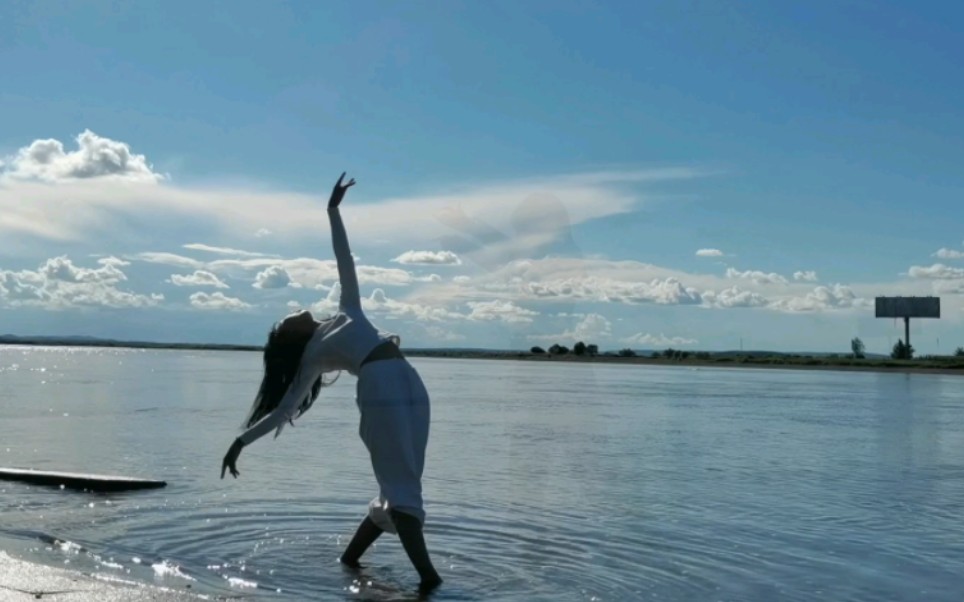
point(900, 351)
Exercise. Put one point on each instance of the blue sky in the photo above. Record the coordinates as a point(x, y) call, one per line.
point(528, 173)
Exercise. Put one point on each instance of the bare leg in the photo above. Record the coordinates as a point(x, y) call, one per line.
point(365, 536)
point(410, 532)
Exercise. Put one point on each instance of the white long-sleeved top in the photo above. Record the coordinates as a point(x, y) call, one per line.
point(340, 343)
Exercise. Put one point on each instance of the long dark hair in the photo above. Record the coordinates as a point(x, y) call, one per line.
point(282, 359)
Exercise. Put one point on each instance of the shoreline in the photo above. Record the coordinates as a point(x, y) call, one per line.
point(945, 365)
point(29, 580)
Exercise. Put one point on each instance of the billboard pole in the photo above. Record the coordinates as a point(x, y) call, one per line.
point(907, 308)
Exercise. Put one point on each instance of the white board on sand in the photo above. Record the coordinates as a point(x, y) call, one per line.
point(73, 480)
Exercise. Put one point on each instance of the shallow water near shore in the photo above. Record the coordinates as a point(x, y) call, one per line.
point(543, 481)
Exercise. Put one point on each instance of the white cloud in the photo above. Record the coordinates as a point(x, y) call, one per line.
point(938, 271)
point(503, 311)
point(668, 291)
point(440, 334)
point(461, 279)
point(733, 297)
point(273, 277)
point(217, 301)
point(709, 253)
point(104, 209)
point(823, 298)
point(428, 258)
point(262, 232)
point(170, 259)
point(59, 284)
point(380, 303)
point(659, 340)
point(221, 250)
point(949, 254)
point(808, 276)
point(756, 276)
point(95, 157)
point(949, 287)
point(198, 278)
point(592, 327)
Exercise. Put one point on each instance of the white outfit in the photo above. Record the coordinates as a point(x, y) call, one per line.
point(391, 397)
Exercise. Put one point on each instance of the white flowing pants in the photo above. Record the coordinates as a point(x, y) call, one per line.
point(395, 415)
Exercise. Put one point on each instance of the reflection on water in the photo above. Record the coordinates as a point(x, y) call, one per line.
point(543, 481)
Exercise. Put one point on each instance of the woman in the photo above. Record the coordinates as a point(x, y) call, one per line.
point(393, 402)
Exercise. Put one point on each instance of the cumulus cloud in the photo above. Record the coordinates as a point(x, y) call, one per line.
point(428, 258)
point(659, 340)
point(95, 157)
point(59, 284)
point(195, 246)
point(756, 276)
point(273, 277)
point(823, 298)
point(503, 311)
point(198, 278)
point(938, 271)
point(733, 297)
point(217, 301)
point(949, 254)
point(709, 253)
point(667, 291)
point(808, 276)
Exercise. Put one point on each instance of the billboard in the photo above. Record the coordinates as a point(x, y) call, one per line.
point(908, 307)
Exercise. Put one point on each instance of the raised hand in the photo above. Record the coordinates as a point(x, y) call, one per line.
point(338, 192)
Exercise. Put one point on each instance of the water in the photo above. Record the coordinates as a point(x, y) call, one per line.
point(543, 482)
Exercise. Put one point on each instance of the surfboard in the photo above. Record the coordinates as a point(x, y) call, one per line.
point(73, 480)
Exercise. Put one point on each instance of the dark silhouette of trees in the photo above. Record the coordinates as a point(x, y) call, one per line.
point(902, 351)
point(857, 346)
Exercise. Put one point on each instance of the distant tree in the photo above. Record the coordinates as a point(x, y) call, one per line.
point(684, 354)
point(654, 355)
point(857, 346)
point(959, 352)
point(579, 348)
point(627, 353)
point(592, 349)
point(558, 349)
point(902, 351)
point(669, 353)
point(537, 350)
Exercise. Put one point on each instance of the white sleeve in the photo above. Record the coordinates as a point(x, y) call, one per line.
point(308, 373)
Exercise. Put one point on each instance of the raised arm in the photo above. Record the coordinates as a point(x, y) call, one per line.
point(347, 278)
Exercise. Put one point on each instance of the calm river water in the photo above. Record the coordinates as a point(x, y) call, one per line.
point(543, 481)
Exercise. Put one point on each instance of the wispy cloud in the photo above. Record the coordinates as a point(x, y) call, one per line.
point(428, 258)
point(658, 340)
point(590, 328)
point(709, 253)
point(223, 250)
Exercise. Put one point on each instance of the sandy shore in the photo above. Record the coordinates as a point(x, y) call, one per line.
point(21, 580)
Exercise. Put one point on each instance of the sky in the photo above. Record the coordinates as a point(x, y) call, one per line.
point(696, 175)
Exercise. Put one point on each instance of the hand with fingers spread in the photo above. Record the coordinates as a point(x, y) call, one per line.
point(338, 192)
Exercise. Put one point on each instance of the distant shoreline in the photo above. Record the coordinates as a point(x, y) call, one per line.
point(940, 365)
